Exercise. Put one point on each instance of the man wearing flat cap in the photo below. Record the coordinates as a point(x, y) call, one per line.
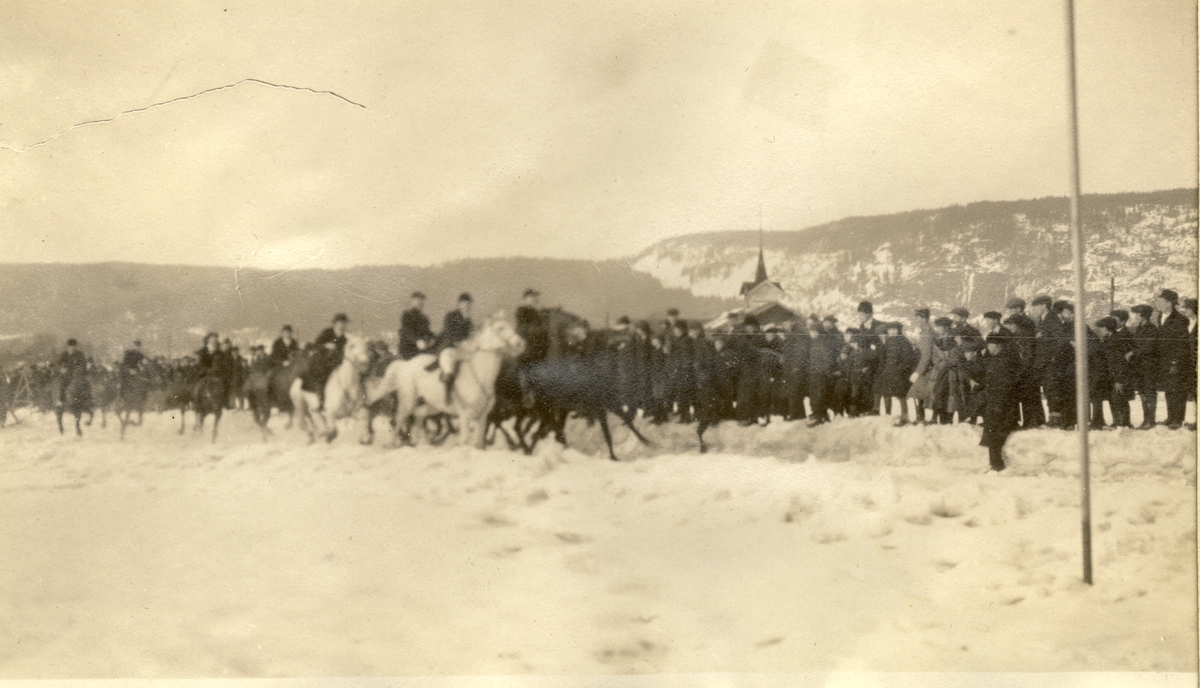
point(1049, 338)
point(1173, 356)
point(415, 333)
point(1013, 306)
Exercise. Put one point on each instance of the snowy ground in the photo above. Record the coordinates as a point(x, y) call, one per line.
point(854, 546)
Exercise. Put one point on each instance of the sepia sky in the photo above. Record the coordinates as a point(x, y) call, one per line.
point(559, 128)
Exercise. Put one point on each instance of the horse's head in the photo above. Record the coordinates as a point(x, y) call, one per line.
point(357, 353)
point(499, 334)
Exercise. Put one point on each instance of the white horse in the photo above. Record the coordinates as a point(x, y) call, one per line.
point(343, 393)
point(422, 394)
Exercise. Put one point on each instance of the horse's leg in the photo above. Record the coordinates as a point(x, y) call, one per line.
point(58, 413)
point(628, 420)
point(182, 420)
point(121, 418)
point(216, 420)
point(700, 428)
point(78, 430)
point(103, 417)
point(607, 435)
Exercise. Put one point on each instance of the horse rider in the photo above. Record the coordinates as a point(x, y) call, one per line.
point(456, 327)
point(415, 333)
point(212, 362)
point(328, 349)
point(531, 326)
point(284, 347)
point(133, 359)
point(72, 365)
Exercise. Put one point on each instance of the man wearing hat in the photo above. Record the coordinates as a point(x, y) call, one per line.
point(456, 327)
point(871, 336)
point(1000, 409)
point(1014, 306)
point(327, 352)
point(532, 328)
point(72, 365)
point(1143, 363)
point(284, 347)
point(1116, 347)
point(960, 329)
point(415, 333)
point(1187, 308)
point(132, 360)
point(1050, 336)
point(1174, 356)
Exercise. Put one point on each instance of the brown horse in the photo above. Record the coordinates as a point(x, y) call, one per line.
point(208, 398)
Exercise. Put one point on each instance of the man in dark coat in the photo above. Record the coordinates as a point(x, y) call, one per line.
point(746, 343)
point(898, 362)
point(1143, 363)
point(1187, 308)
point(1048, 340)
point(1117, 349)
point(1174, 356)
point(795, 348)
point(681, 371)
point(623, 342)
point(327, 352)
point(72, 367)
point(284, 347)
point(871, 334)
point(822, 368)
point(1000, 411)
point(1023, 333)
point(132, 360)
point(531, 326)
point(960, 329)
point(415, 333)
point(456, 327)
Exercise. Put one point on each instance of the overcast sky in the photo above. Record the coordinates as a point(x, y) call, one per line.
point(558, 128)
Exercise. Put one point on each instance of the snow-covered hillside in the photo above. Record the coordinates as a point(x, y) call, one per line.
point(853, 546)
point(975, 255)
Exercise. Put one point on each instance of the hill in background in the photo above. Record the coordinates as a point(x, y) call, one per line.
point(107, 305)
point(975, 255)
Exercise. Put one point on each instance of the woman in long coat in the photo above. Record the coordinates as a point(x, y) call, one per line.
point(1001, 410)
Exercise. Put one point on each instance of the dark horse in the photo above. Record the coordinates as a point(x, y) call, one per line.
point(133, 388)
point(267, 388)
point(208, 397)
point(76, 400)
point(578, 376)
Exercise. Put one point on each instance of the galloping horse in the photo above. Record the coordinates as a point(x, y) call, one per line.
point(133, 388)
point(343, 393)
point(208, 397)
point(77, 400)
point(421, 393)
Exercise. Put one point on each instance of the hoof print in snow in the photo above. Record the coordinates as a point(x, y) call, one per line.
point(572, 538)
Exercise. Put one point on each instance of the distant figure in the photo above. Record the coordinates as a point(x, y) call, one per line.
point(284, 347)
point(415, 334)
point(133, 359)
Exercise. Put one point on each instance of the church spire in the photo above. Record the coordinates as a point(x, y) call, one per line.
point(760, 275)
